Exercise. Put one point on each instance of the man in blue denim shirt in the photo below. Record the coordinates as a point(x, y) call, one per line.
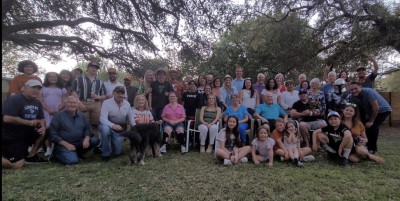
point(70, 132)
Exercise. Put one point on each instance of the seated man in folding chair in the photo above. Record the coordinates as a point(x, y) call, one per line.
point(268, 112)
point(307, 116)
point(174, 116)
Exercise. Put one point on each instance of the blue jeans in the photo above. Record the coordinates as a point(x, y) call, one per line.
point(67, 157)
point(111, 141)
point(242, 131)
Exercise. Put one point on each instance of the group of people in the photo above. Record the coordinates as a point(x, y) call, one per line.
point(73, 112)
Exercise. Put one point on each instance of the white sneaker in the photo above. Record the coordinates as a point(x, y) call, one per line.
point(282, 158)
point(183, 149)
point(244, 160)
point(300, 164)
point(227, 162)
point(29, 148)
point(41, 149)
point(48, 151)
point(163, 149)
point(308, 158)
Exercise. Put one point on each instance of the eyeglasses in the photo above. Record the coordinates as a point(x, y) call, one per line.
point(351, 104)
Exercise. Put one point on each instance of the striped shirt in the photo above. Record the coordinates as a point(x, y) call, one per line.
point(84, 87)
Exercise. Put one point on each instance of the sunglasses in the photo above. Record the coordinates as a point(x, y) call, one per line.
point(351, 104)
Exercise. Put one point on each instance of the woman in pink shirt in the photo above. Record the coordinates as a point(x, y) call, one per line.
point(173, 115)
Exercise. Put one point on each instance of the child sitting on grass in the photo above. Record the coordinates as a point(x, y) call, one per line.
point(292, 143)
point(335, 138)
point(228, 146)
point(278, 134)
point(262, 147)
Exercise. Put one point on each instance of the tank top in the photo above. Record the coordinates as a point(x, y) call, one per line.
point(209, 116)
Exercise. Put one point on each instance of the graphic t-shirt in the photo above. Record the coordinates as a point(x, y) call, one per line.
point(335, 136)
point(140, 117)
point(159, 99)
point(191, 100)
point(19, 106)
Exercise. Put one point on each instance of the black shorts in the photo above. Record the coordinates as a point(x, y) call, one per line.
point(336, 145)
point(16, 149)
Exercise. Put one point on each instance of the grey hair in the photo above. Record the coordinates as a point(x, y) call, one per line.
point(77, 99)
point(314, 80)
point(332, 72)
point(279, 74)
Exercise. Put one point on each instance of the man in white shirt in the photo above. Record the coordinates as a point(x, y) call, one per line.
point(112, 83)
point(113, 120)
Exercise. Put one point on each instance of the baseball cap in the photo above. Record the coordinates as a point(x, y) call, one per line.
point(303, 91)
point(111, 70)
point(333, 113)
point(128, 78)
point(33, 83)
point(361, 68)
point(95, 64)
point(119, 89)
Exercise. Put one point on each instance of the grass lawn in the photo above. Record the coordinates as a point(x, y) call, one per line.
point(194, 176)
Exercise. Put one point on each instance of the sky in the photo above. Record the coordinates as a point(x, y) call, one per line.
point(69, 63)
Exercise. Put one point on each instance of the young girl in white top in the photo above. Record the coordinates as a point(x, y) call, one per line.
point(292, 143)
point(228, 146)
point(262, 147)
point(248, 97)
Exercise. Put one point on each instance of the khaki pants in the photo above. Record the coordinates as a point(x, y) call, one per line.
point(93, 115)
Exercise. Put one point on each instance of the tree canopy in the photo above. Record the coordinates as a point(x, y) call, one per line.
point(127, 32)
point(124, 31)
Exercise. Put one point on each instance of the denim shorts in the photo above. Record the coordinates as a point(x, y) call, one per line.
point(180, 125)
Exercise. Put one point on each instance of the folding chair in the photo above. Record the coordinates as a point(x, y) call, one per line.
point(194, 129)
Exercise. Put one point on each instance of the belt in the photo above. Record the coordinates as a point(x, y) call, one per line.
point(90, 100)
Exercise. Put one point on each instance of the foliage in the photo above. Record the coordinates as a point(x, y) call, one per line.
point(120, 30)
point(195, 176)
point(390, 83)
point(263, 45)
point(349, 30)
point(11, 56)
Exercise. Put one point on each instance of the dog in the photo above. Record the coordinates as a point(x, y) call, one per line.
point(140, 137)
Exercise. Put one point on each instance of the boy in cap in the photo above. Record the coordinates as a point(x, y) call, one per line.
point(23, 125)
point(90, 91)
point(335, 138)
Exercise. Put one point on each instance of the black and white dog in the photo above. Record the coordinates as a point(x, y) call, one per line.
point(140, 137)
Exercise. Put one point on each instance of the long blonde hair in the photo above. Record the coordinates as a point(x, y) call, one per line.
point(145, 82)
point(136, 102)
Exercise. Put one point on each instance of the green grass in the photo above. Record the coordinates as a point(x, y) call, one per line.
point(194, 176)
